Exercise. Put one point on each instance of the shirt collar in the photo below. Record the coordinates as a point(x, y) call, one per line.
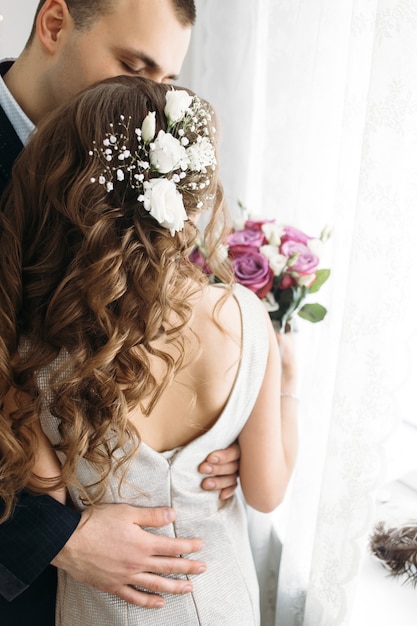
point(23, 126)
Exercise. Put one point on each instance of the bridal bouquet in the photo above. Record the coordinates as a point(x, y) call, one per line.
point(278, 263)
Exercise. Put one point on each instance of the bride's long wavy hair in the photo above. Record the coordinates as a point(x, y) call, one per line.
point(90, 273)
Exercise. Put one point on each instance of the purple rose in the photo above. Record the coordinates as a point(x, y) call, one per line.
point(240, 240)
point(199, 259)
point(293, 234)
point(306, 262)
point(252, 270)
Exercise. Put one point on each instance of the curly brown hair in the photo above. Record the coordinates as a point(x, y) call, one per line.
point(91, 273)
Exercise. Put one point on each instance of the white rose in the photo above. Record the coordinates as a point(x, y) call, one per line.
point(177, 102)
point(167, 154)
point(164, 202)
point(278, 263)
point(273, 233)
point(268, 251)
point(148, 127)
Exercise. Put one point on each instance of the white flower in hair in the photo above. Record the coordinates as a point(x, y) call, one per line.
point(148, 127)
point(167, 154)
point(164, 202)
point(177, 103)
point(156, 167)
point(201, 155)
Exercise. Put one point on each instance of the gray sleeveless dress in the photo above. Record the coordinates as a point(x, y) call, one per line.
point(227, 594)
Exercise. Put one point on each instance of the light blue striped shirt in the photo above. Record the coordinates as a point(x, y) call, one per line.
point(18, 118)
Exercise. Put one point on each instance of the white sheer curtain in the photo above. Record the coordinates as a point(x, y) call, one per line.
point(318, 105)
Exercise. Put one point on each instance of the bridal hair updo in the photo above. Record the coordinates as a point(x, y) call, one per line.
point(87, 271)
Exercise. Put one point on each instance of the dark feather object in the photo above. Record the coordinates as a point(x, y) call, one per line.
point(397, 549)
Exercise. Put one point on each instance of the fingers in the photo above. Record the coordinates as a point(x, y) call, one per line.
point(172, 567)
point(223, 457)
point(172, 547)
point(223, 466)
point(140, 598)
point(225, 484)
point(227, 493)
point(227, 469)
point(154, 518)
point(158, 584)
point(151, 585)
point(216, 483)
point(112, 551)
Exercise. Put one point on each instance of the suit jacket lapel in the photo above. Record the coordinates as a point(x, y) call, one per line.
point(10, 144)
point(10, 147)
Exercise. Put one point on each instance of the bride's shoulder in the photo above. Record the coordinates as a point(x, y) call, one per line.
point(231, 300)
point(217, 305)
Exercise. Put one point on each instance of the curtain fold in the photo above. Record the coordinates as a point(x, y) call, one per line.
point(226, 64)
point(318, 107)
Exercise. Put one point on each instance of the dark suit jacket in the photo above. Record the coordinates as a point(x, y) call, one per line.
point(40, 526)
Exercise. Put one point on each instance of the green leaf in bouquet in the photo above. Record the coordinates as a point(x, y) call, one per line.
point(321, 277)
point(313, 312)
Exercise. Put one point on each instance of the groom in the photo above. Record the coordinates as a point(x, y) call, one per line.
point(73, 44)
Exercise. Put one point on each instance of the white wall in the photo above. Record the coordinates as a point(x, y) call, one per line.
point(15, 26)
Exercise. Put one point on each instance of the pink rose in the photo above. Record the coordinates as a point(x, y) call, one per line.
point(293, 234)
point(241, 240)
point(257, 224)
point(198, 259)
point(287, 281)
point(252, 270)
point(306, 262)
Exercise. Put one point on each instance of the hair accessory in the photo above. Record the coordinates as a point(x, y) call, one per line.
point(157, 166)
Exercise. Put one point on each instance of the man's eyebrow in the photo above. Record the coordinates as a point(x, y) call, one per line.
point(149, 62)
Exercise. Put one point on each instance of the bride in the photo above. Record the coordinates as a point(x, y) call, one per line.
point(119, 364)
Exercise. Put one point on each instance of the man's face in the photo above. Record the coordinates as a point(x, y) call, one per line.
point(138, 37)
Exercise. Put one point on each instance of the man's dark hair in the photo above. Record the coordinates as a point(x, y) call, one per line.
point(86, 12)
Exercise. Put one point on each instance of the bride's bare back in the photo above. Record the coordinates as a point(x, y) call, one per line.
point(194, 400)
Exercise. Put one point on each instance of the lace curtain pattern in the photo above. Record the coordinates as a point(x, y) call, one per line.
point(318, 107)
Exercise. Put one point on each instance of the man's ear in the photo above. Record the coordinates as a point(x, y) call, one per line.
point(51, 22)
